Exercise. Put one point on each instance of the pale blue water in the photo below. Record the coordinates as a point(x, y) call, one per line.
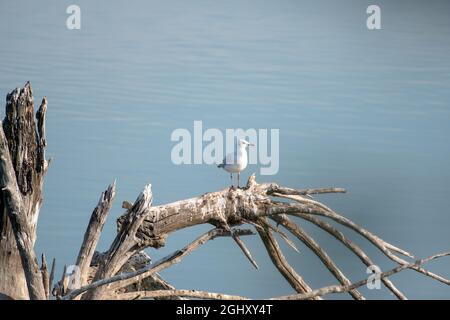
point(365, 110)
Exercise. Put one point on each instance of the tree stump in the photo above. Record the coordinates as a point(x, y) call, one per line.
point(24, 140)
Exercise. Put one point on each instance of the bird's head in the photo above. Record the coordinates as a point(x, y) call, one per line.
point(244, 143)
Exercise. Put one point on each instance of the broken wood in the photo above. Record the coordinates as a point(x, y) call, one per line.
point(280, 262)
point(125, 271)
point(22, 169)
point(319, 252)
point(125, 279)
point(125, 244)
point(346, 288)
point(45, 277)
point(94, 229)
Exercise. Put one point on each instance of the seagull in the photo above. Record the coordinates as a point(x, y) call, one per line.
point(237, 161)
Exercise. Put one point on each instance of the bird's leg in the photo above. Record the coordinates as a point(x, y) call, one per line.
point(231, 176)
point(239, 174)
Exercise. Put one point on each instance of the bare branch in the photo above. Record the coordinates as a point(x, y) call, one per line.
point(60, 288)
point(352, 247)
point(45, 276)
point(120, 273)
point(244, 249)
point(125, 244)
point(310, 208)
point(52, 276)
point(338, 289)
point(320, 205)
point(304, 192)
point(278, 231)
point(151, 283)
point(177, 293)
point(125, 279)
point(319, 252)
point(280, 262)
point(94, 230)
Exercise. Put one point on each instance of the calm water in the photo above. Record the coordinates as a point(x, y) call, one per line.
point(365, 110)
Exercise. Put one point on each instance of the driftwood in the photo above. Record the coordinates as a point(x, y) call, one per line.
point(346, 288)
point(92, 235)
point(22, 169)
point(125, 271)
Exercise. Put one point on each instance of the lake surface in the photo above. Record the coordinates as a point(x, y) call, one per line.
point(365, 110)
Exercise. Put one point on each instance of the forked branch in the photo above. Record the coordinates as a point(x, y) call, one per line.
point(346, 288)
point(146, 226)
point(113, 274)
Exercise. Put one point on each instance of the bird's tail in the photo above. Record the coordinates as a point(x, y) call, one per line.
point(220, 165)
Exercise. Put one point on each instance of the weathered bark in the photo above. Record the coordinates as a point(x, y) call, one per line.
point(45, 277)
point(125, 245)
point(122, 280)
point(169, 293)
point(124, 271)
point(222, 208)
point(346, 288)
point(320, 253)
point(151, 283)
point(145, 226)
point(280, 262)
point(89, 261)
point(135, 263)
point(355, 249)
point(23, 168)
point(51, 277)
point(93, 231)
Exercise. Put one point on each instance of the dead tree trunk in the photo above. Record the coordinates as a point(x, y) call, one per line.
point(125, 271)
point(23, 166)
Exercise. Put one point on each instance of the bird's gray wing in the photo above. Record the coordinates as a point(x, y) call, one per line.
point(230, 158)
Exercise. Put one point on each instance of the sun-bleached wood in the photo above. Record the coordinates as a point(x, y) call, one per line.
point(93, 231)
point(124, 271)
point(22, 169)
point(346, 288)
point(318, 251)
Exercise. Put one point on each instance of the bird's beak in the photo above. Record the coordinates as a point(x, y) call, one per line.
point(251, 144)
